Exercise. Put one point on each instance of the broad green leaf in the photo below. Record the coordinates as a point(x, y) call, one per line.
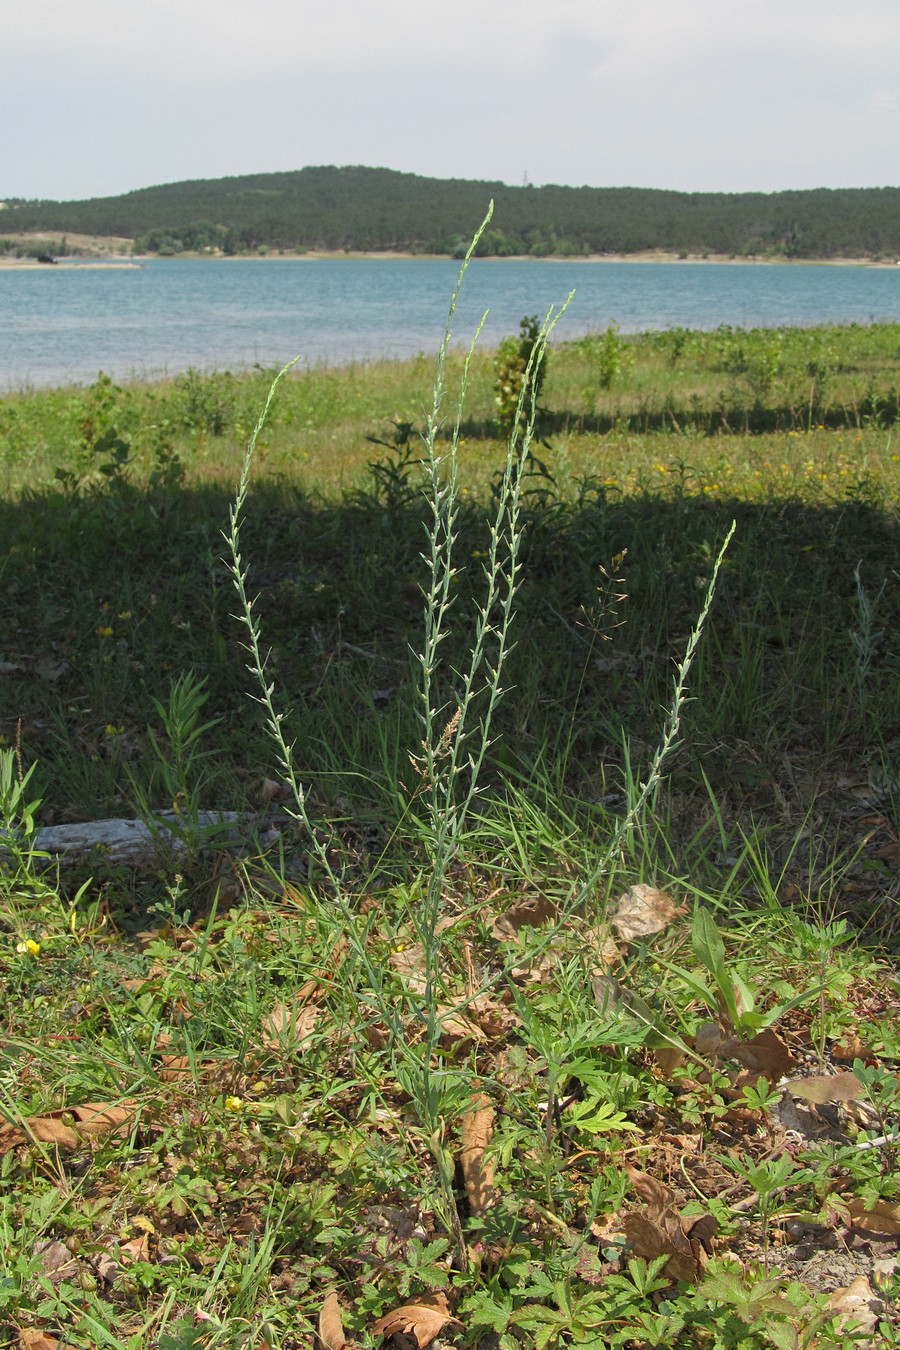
point(708, 945)
point(710, 949)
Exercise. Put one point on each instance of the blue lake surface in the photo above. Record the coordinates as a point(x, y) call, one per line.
point(63, 325)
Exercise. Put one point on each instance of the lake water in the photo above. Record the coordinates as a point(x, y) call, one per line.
point(60, 325)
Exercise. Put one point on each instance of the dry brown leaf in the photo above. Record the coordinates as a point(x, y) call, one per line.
point(669, 1058)
point(849, 1049)
point(883, 1217)
point(650, 1238)
point(219, 1074)
point(138, 1249)
point(422, 1320)
point(478, 1171)
point(530, 913)
point(607, 951)
point(493, 1019)
point(325, 976)
point(685, 1143)
point(643, 911)
point(702, 1229)
point(57, 1262)
point(175, 1068)
point(273, 789)
point(708, 1039)
point(825, 1088)
point(289, 1024)
point(134, 985)
point(104, 1117)
point(53, 1255)
point(106, 1267)
point(331, 1328)
point(148, 935)
point(456, 1027)
point(764, 1054)
point(659, 1230)
point(653, 1192)
point(857, 1301)
point(377, 1035)
point(409, 963)
point(536, 971)
point(51, 1130)
point(32, 1339)
point(309, 991)
point(91, 1120)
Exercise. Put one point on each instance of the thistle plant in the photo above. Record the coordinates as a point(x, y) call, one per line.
point(456, 728)
point(456, 713)
point(457, 731)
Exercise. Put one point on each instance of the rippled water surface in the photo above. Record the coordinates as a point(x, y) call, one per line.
point(65, 324)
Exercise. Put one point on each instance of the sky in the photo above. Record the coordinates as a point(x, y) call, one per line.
point(100, 96)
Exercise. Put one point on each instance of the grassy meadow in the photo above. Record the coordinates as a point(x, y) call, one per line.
point(417, 1059)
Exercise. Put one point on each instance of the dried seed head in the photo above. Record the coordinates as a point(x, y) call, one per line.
point(449, 732)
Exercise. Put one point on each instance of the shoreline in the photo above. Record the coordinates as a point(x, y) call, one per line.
point(116, 261)
point(646, 256)
point(68, 265)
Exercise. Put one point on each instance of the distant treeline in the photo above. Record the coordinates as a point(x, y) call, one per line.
point(363, 209)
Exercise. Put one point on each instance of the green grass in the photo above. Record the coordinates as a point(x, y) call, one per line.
point(297, 1038)
point(730, 380)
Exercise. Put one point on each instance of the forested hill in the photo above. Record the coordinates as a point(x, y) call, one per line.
point(357, 208)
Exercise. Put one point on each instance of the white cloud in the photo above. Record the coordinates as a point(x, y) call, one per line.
point(714, 94)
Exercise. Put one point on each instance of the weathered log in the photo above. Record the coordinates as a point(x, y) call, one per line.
point(140, 843)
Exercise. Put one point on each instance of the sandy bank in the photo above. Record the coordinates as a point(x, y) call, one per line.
point(67, 265)
point(649, 256)
point(99, 251)
point(69, 250)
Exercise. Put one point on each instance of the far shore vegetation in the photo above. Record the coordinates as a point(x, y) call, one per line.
point(602, 1054)
point(363, 210)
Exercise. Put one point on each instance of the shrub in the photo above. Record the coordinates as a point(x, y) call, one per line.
point(515, 366)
